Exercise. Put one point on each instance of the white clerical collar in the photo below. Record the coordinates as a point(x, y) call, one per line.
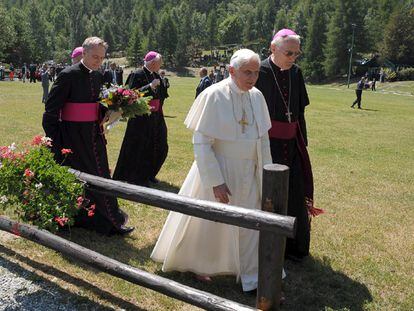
point(90, 70)
point(234, 86)
point(148, 69)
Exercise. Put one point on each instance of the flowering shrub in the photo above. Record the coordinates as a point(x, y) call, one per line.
point(41, 191)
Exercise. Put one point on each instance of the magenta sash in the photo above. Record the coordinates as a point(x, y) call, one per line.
point(80, 112)
point(283, 130)
point(155, 105)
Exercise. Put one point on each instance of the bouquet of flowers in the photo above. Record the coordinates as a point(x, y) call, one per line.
point(36, 188)
point(123, 103)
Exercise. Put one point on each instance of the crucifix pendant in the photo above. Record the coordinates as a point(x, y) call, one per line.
point(243, 122)
point(288, 115)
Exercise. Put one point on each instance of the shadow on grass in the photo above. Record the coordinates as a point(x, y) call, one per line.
point(64, 297)
point(314, 285)
point(222, 286)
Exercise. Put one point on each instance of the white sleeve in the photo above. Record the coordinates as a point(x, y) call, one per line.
point(266, 155)
point(206, 161)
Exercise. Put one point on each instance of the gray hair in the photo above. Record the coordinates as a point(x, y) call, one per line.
point(155, 59)
point(278, 41)
point(91, 42)
point(242, 57)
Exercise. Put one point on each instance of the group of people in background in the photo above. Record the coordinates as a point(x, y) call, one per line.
point(252, 117)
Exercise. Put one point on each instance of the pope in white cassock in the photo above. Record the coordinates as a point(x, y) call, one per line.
point(230, 121)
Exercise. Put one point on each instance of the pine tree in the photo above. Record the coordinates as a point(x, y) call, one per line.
point(7, 34)
point(336, 48)
point(312, 65)
point(398, 44)
point(167, 37)
point(134, 50)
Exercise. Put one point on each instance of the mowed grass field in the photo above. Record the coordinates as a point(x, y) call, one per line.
point(362, 249)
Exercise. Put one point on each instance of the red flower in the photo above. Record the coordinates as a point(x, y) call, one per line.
point(61, 220)
point(28, 173)
point(37, 140)
point(120, 90)
point(79, 201)
point(91, 210)
point(66, 151)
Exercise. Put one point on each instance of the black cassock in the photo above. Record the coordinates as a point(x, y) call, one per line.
point(76, 84)
point(288, 151)
point(144, 148)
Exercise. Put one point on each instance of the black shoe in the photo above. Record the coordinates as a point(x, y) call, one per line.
point(154, 180)
point(123, 230)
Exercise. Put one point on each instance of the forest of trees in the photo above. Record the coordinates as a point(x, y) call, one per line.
point(40, 30)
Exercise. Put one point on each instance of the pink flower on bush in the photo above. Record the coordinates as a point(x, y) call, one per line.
point(28, 173)
point(120, 90)
point(46, 141)
point(91, 210)
point(66, 151)
point(37, 140)
point(61, 220)
point(79, 201)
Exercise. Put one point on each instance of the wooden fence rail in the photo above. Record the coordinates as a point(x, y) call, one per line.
point(97, 261)
point(274, 228)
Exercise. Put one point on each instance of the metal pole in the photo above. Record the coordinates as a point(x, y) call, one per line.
point(350, 53)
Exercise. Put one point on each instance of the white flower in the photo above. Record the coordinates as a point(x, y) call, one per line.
point(47, 141)
point(3, 199)
point(39, 185)
point(12, 147)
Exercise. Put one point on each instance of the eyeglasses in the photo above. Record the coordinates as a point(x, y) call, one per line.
point(290, 53)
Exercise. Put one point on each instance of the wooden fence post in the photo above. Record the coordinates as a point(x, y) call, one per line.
point(272, 245)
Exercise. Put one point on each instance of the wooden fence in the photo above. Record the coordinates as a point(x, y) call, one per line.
point(272, 223)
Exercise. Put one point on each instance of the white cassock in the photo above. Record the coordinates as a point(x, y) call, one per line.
point(223, 154)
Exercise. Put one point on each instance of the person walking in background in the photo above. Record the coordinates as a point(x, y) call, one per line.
point(32, 70)
point(44, 77)
point(112, 76)
point(11, 74)
point(374, 81)
point(205, 81)
point(24, 72)
point(359, 87)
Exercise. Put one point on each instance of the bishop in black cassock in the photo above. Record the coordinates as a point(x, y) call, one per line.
point(144, 148)
point(72, 120)
point(283, 87)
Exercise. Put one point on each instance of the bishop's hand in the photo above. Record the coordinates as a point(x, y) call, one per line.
point(154, 83)
point(221, 193)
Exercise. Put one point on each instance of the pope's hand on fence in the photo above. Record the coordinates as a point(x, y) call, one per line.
point(221, 193)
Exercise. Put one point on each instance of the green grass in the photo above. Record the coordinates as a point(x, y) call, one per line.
point(362, 248)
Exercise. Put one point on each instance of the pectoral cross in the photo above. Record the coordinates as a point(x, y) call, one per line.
point(288, 115)
point(243, 122)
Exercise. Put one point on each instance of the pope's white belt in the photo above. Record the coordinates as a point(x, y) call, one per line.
point(241, 149)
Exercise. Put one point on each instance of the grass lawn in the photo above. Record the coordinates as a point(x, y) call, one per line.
point(362, 248)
